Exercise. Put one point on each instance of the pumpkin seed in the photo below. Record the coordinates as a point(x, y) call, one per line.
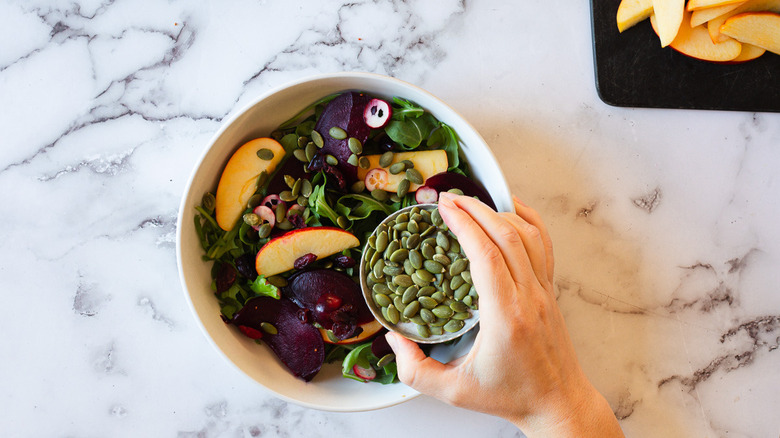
point(399, 255)
point(381, 288)
point(469, 301)
point(302, 141)
point(433, 267)
point(382, 300)
point(442, 241)
point(311, 151)
point(264, 231)
point(287, 196)
point(454, 245)
point(441, 258)
point(408, 268)
point(439, 296)
point(265, 154)
point(252, 219)
point(413, 241)
point(399, 226)
point(381, 241)
point(385, 159)
point(438, 322)
point(461, 315)
point(357, 187)
point(296, 188)
point(427, 316)
point(364, 163)
point(411, 309)
point(425, 275)
point(355, 146)
point(352, 160)
point(443, 311)
point(393, 316)
point(277, 280)
point(416, 259)
point(403, 188)
point(456, 282)
point(393, 270)
point(337, 133)
point(427, 250)
point(462, 292)
point(436, 218)
point(284, 225)
point(330, 159)
point(398, 303)
point(379, 194)
point(423, 331)
point(458, 266)
point(458, 307)
point(437, 331)
point(412, 226)
point(317, 139)
point(467, 277)
point(456, 191)
point(385, 360)
point(343, 222)
point(453, 326)
point(416, 279)
point(300, 154)
point(427, 302)
point(391, 247)
point(403, 280)
point(417, 319)
point(426, 291)
point(268, 328)
point(377, 269)
point(289, 181)
point(397, 168)
point(414, 176)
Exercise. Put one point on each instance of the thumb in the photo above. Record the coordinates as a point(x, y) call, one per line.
point(417, 370)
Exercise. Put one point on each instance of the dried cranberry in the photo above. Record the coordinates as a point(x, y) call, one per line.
point(304, 260)
point(250, 332)
point(297, 221)
point(226, 276)
point(246, 266)
point(345, 261)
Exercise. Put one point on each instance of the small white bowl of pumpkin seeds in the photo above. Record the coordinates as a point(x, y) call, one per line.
point(416, 279)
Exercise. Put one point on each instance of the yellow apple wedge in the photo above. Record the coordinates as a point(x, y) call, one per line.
point(696, 43)
point(701, 16)
point(631, 12)
point(369, 329)
point(713, 26)
point(669, 16)
point(701, 4)
point(239, 179)
point(428, 163)
point(761, 29)
point(280, 253)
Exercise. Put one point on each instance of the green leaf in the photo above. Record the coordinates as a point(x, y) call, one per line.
point(289, 142)
point(403, 108)
point(444, 137)
point(263, 288)
point(410, 133)
point(361, 206)
point(294, 119)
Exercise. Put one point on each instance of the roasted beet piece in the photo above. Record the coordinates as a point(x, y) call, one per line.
point(298, 345)
point(226, 276)
point(379, 346)
point(335, 301)
point(444, 181)
point(246, 266)
point(346, 112)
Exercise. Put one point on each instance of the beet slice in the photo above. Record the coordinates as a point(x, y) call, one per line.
point(444, 181)
point(291, 167)
point(379, 346)
point(334, 299)
point(345, 112)
point(298, 345)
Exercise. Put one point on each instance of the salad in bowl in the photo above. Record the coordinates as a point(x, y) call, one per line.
point(281, 230)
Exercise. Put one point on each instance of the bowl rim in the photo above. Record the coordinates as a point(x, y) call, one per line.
point(225, 125)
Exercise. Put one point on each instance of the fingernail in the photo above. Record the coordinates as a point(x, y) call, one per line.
point(445, 199)
point(519, 201)
point(390, 337)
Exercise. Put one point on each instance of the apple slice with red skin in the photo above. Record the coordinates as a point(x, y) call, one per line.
point(280, 253)
point(298, 345)
point(761, 29)
point(238, 181)
point(696, 43)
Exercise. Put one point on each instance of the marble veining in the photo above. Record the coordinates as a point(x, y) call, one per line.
point(664, 221)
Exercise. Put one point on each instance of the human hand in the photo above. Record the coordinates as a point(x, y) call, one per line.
point(522, 365)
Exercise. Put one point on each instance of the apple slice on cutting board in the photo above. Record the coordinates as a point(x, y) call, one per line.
point(702, 4)
point(713, 26)
point(702, 16)
point(631, 12)
point(280, 253)
point(696, 43)
point(668, 15)
point(239, 179)
point(761, 29)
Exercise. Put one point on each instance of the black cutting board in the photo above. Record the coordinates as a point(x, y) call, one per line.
point(633, 70)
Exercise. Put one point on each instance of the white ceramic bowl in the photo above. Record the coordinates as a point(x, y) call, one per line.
point(328, 390)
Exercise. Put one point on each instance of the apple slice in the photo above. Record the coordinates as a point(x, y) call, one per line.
point(428, 163)
point(749, 52)
point(701, 16)
point(280, 253)
point(239, 179)
point(761, 29)
point(701, 4)
point(369, 329)
point(631, 12)
point(696, 43)
point(713, 26)
point(669, 16)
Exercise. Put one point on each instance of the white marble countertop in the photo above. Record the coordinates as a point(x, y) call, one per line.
point(664, 221)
